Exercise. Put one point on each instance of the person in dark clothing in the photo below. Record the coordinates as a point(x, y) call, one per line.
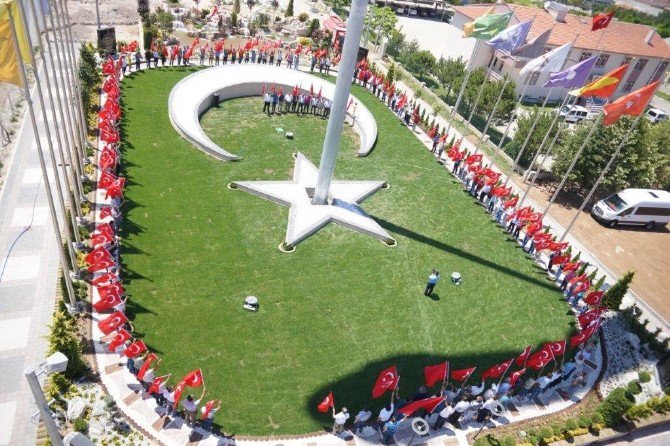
point(275, 100)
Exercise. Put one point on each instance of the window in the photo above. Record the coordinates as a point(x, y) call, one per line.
point(660, 71)
point(602, 60)
point(659, 212)
point(626, 212)
point(628, 86)
point(639, 66)
point(532, 80)
point(585, 56)
point(615, 202)
point(626, 60)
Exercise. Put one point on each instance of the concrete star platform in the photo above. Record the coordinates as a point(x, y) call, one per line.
point(306, 218)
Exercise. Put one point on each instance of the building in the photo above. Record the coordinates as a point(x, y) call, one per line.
point(620, 43)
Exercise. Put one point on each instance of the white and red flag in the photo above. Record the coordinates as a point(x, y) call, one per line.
point(193, 378)
point(387, 380)
point(327, 403)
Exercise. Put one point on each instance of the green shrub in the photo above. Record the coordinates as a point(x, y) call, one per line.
point(655, 404)
point(614, 407)
point(638, 412)
point(597, 418)
point(557, 429)
point(613, 296)
point(302, 17)
point(584, 421)
point(634, 387)
point(545, 432)
point(667, 390)
point(63, 338)
point(644, 376)
point(487, 440)
point(80, 425)
point(508, 441)
point(571, 424)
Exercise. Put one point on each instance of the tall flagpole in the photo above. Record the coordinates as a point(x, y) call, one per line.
point(459, 98)
point(511, 118)
point(75, 153)
point(481, 88)
point(43, 167)
point(60, 139)
point(50, 146)
point(493, 112)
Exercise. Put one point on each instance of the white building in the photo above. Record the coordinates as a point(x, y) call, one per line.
point(620, 43)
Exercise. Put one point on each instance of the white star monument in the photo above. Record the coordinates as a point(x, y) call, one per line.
point(314, 198)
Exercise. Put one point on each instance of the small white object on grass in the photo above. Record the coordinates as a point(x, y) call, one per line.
point(251, 303)
point(456, 278)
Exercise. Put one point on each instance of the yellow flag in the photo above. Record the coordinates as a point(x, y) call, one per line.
point(9, 69)
point(469, 27)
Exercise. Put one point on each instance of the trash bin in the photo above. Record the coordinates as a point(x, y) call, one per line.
point(216, 100)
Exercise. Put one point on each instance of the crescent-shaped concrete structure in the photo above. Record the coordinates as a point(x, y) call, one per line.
point(197, 93)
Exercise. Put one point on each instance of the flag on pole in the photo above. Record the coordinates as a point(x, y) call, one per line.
point(632, 104)
point(583, 336)
point(470, 26)
point(514, 377)
point(327, 403)
point(487, 26)
point(546, 63)
point(156, 384)
point(557, 348)
point(535, 47)
point(107, 302)
point(604, 86)
point(151, 357)
point(462, 375)
point(178, 390)
point(112, 322)
point(135, 349)
point(193, 378)
point(387, 380)
point(435, 373)
point(574, 76)
point(511, 38)
point(540, 359)
point(594, 298)
point(119, 339)
point(585, 319)
point(428, 404)
point(601, 20)
point(497, 370)
point(208, 408)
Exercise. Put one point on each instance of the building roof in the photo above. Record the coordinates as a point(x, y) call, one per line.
point(618, 37)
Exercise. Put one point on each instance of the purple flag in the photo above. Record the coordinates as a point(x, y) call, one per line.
point(575, 76)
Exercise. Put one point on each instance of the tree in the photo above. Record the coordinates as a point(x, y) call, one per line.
point(380, 21)
point(313, 27)
point(525, 122)
point(63, 338)
point(614, 296)
point(251, 4)
point(634, 167)
point(163, 20)
point(396, 44)
point(421, 63)
point(390, 73)
point(659, 139)
point(233, 20)
point(236, 7)
point(143, 8)
point(450, 73)
point(289, 9)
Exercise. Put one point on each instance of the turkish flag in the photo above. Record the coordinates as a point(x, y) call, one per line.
point(134, 349)
point(583, 336)
point(106, 179)
point(106, 303)
point(570, 266)
point(119, 338)
point(540, 359)
point(178, 390)
point(632, 104)
point(474, 159)
point(101, 265)
point(100, 240)
point(601, 20)
point(533, 217)
point(105, 279)
point(105, 211)
point(209, 405)
point(193, 378)
point(594, 298)
point(97, 255)
point(327, 403)
point(155, 384)
point(387, 380)
point(462, 375)
point(428, 404)
point(115, 289)
point(108, 159)
point(559, 259)
point(106, 229)
point(521, 359)
point(151, 357)
point(557, 347)
point(497, 370)
point(112, 322)
point(592, 315)
point(514, 377)
point(557, 247)
point(511, 202)
point(435, 373)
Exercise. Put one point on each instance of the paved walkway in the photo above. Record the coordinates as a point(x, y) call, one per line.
point(28, 276)
point(150, 418)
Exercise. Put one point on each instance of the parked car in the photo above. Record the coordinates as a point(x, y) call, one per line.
point(648, 207)
point(574, 113)
point(655, 115)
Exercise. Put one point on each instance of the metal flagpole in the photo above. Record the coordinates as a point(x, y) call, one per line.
point(530, 133)
point(511, 119)
point(481, 88)
point(459, 98)
point(604, 171)
point(69, 75)
point(493, 112)
point(72, 55)
point(43, 167)
point(74, 153)
point(340, 98)
point(60, 139)
point(50, 146)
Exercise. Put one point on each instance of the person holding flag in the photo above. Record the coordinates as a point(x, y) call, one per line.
point(339, 418)
point(190, 407)
point(207, 413)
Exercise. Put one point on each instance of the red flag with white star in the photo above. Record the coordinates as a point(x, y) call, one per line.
point(387, 380)
point(326, 404)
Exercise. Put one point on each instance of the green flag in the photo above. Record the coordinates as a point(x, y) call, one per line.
point(488, 26)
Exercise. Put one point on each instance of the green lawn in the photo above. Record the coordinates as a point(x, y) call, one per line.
point(343, 305)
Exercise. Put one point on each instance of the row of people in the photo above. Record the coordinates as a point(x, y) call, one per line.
point(278, 102)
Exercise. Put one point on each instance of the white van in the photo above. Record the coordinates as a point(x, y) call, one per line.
point(655, 115)
point(574, 113)
point(646, 207)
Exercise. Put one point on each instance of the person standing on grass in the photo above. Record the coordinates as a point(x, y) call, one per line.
point(209, 417)
point(436, 141)
point(267, 99)
point(340, 418)
point(433, 278)
point(275, 100)
point(191, 407)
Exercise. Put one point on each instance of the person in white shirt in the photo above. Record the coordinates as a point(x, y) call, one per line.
point(340, 418)
point(476, 390)
point(168, 395)
point(442, 417)
point(361, 418)
point(267, 100)
point(207, 420)
point(460, 408)
point(327, 104)
point(384, 415)
point(288, 99)
point(191, 407)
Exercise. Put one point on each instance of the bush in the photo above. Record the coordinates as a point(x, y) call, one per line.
point(289, 8)
point(508, 441)
point(639, 411)
point(667, 390)
point(613, 296)
point(634, 387)
point(80, 425)
point(584, 421)
point(545, 433)
point(302, 17)
point(644, 376)
point(571, 424)
point(614, 407)
point(63, 338)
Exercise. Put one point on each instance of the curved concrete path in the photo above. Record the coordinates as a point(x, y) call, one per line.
point(194, 95)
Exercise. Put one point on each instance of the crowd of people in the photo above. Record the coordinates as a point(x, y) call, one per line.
point(295, 101)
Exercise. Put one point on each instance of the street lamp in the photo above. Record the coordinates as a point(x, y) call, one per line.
point(55, 363)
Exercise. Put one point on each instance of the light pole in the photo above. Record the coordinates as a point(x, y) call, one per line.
point(55, 363)
point(97, 14)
